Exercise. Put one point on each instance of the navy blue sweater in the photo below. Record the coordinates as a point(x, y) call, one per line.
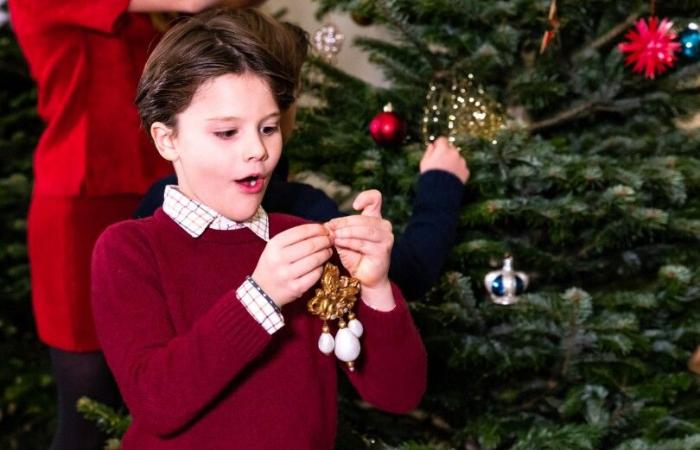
point(418, 254)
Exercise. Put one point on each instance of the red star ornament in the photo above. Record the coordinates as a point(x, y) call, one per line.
point(651, 47)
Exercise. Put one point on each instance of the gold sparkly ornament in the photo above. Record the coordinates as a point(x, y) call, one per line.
point(458, 108)
point(333, 301)
point(328, 41)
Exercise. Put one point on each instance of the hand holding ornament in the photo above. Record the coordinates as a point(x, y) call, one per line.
point(441, 154)
point(292, 262)
point(364, 244)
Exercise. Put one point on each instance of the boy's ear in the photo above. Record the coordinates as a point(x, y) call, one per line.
point(164, 138)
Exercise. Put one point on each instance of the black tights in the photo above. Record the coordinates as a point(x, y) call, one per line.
point(76, 375)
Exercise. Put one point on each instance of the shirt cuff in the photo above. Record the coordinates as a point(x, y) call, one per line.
point(260, 306)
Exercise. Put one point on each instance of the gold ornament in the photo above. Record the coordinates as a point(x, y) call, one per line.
point(332, 301)
point(460, 108)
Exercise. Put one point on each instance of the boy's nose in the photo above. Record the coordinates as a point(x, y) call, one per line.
point(256, 150)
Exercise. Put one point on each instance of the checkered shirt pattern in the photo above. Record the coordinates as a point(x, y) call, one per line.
point(266, 312)
point(195, 217)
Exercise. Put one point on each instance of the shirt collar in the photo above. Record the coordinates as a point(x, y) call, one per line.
point(195, 217)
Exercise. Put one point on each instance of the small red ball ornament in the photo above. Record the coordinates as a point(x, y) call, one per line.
point(387, 128)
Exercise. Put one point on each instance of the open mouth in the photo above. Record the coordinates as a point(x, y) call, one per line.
point(251, 183)
point(251, 180)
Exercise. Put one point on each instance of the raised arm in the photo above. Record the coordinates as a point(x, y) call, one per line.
point(186, 6)
point(421, 251)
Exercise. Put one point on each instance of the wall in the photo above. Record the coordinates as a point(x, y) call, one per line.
point(350, 59)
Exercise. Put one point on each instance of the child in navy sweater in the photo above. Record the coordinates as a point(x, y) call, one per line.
point(201, 309)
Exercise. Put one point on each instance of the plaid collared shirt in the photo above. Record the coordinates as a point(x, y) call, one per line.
point(195, 217)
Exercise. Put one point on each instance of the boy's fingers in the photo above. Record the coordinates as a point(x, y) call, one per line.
point(440, 142)
point(300, 249)
point(310, 278)
point(363, 232)
point(369, 202)
point(310, 262)
point(358, 245)
point(353, 221)
point(300, 233)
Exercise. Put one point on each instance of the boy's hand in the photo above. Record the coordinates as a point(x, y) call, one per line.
point(441, 155)
point(364, 245)
point(293, 261)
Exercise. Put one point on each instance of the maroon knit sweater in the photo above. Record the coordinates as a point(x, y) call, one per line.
point(198, 372)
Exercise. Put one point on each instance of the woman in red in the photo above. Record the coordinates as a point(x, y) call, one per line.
point(91, 167)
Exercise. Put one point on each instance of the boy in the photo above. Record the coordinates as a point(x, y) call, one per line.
point(200, 309)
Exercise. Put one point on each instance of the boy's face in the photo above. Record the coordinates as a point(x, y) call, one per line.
point(227, 144)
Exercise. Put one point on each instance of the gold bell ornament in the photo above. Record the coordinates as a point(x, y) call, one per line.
point(334, 300)
point(459, 107)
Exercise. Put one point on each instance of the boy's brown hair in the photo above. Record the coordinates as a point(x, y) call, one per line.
point(214, 43)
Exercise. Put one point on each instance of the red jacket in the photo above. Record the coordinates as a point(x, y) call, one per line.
point(87, 57)
point(198, 372)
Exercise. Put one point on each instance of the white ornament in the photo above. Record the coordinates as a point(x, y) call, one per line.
point(347, 346)
point(356, 327)
point(328, 41)
point(326, 343)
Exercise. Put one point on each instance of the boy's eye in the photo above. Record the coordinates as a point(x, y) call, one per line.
point(226, 134)
point(268, 130)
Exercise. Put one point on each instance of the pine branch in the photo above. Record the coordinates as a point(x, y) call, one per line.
point(394, 20)
point(112, 422)
point(573, 113)
point(591, 107)
point(613, 33)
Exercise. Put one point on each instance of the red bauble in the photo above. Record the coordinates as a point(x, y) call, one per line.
point(651, 47)
point(387, 128)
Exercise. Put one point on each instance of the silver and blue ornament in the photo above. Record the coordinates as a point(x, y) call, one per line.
point(505, 285)
point(690, 42)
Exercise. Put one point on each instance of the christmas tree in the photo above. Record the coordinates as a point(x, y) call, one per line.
point(584, 167)
point(26, 398)
point(584, 170)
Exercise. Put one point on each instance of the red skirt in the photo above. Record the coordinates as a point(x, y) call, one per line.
point(61, 234)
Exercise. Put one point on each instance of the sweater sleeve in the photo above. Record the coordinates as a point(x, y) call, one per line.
point(166, 378)
point(100, 16)
point(392, 369)
point(421, 251)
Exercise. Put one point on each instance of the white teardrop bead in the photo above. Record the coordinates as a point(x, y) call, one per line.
point(347, 346)
point(326, 343)
point(356, 327)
